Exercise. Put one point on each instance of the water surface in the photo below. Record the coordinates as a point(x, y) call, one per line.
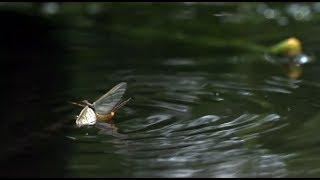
point(200, 108)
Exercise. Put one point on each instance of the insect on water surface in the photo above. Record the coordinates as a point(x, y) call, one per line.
point(103, 109)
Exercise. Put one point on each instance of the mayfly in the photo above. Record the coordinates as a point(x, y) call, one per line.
point(103, 109)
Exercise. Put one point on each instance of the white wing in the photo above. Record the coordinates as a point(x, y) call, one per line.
point(107, 102)
point(86, 117)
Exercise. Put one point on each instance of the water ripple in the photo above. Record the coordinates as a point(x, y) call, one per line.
point(180, 121)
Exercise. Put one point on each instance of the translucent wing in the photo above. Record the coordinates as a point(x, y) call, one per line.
point(107, 102)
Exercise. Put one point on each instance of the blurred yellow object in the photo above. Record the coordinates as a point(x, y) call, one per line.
point(290, 47)
point(294, 71)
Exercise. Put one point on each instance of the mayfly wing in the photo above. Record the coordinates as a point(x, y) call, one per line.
point(118, 106)
point(86, 117)
point(107, 102)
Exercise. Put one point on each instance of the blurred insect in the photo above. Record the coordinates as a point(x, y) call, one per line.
point(103, 109)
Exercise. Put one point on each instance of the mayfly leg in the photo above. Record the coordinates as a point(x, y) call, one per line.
point(88, 103)
point(77, 104)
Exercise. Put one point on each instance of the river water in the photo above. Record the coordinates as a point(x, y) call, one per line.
point(199, 107)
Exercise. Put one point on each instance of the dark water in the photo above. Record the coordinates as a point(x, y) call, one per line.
point(202, 107)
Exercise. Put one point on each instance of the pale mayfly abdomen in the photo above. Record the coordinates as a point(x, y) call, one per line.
point(108, 117)
point(86, 117)
point(105, 118)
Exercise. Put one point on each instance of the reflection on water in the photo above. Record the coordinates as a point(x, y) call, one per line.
point(200, 108)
